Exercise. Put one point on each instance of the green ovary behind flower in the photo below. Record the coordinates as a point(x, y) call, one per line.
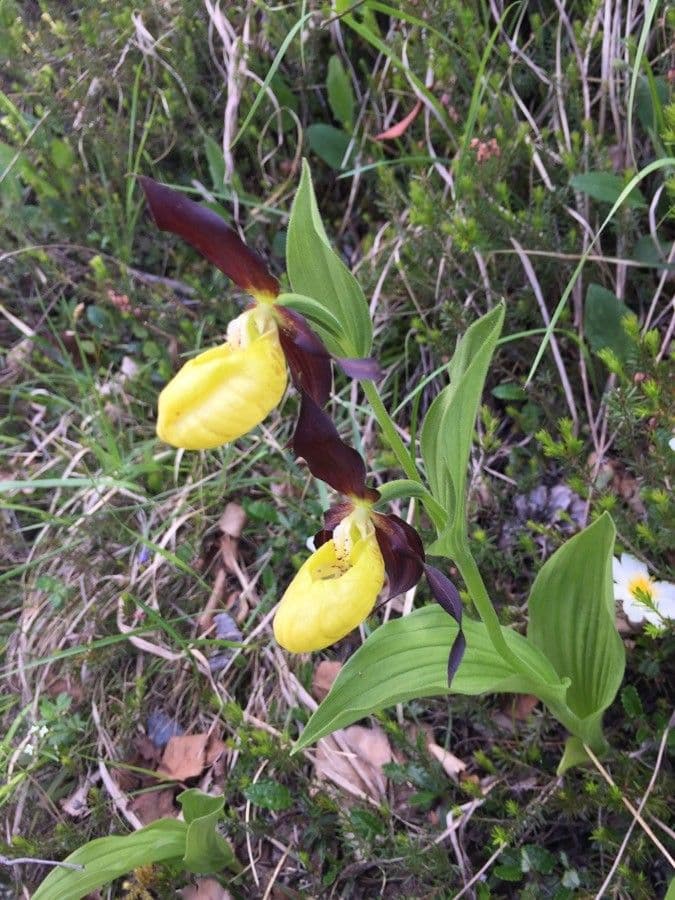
point(329, 596)
point(223, 393)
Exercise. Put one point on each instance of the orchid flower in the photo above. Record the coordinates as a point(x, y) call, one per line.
point(338, 586)
point(227, 390)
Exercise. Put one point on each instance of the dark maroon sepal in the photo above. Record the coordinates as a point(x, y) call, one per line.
point(206, 231)
point(328, 457)
point(402, 552)
point(362, 369)
point(307, 358)
point(447, 595)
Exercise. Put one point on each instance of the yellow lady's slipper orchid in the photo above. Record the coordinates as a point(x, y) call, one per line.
point(226, 391)
point(332, 593)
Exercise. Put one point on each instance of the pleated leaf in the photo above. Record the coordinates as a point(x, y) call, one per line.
point(407, 658)
point(105, 859)
point(447, 432)
point(205, 849)
point(316, 271)
point(572, 619)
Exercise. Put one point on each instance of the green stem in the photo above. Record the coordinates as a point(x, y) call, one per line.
point(461, 553)
point(474, 581)
point(404, 457)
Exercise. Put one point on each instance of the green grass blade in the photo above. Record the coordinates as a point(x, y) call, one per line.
point(276, 62)
point(668, 162)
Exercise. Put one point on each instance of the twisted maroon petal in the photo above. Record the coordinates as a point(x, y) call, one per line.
point(317, 440)
point(364, 368)
point(307, 358)
point(447, 595)
point(402, 551)
point(210, 235)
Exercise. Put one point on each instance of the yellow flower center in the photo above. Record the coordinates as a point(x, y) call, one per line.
point(640, 587)
point(249, 326)
point(264, 298)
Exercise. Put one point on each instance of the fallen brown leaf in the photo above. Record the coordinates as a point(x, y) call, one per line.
point(452, 765)
point(214, 748)
point(359, 765)
point(154, 805)
point(324, 675)
point(226, 545)
point(371, 744)
point(145, 756)
point(76, 805)
point(147, 751)
point(514, 709)
point(232, 520)
point(16, 361)
point(522, 706)
point(184, 756)
point(66, 685)
point(414, 730)
point(231, 525)
point(205, 889)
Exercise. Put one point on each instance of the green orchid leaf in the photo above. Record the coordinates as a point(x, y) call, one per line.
point(321, 319)
point(315, 270)
point(447, 431)
point(330, 144)
point(196, 804)
point(340, 93)
point(407, 658)
point(572, 622)
point(205, 849)
point(603, 315)
point(606, 188)
point(106, 859)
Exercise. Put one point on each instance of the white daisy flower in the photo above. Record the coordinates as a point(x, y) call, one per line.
point(642, 597)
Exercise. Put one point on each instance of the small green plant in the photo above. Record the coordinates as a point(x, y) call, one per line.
point(194, 843)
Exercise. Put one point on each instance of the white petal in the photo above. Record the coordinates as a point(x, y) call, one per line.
point(653, 617)
point(621, 592)
point(664, 597)
point(634, 611)
point(617, 569)
point(632, 567)
point(626, 568)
